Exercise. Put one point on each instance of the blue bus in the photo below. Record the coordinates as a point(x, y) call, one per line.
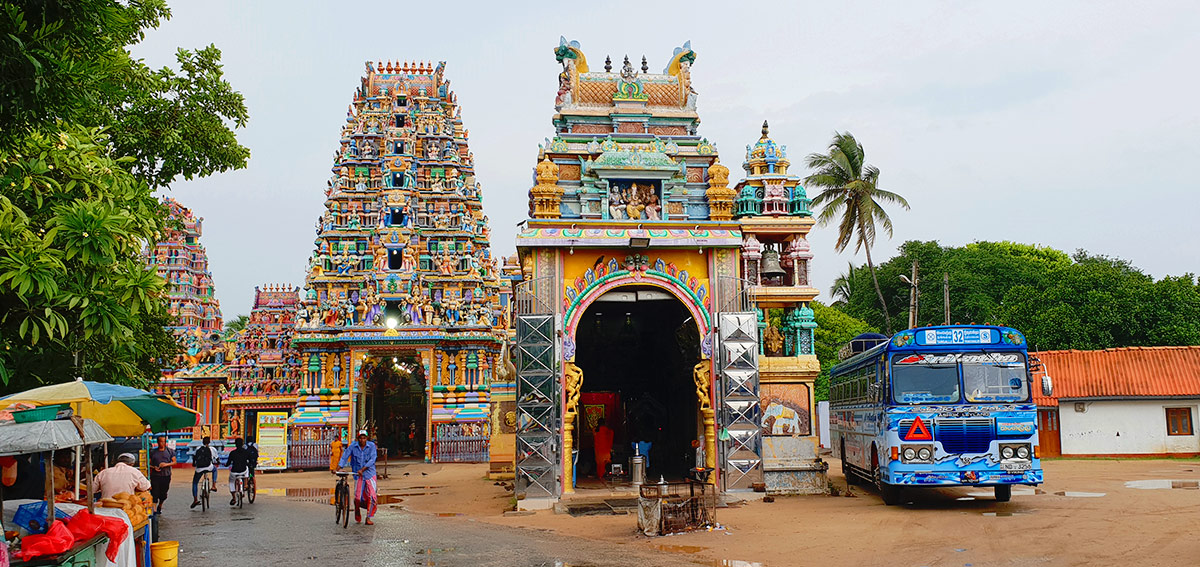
point(936, 406)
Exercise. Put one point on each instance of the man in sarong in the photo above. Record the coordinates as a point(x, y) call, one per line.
point(361, 458)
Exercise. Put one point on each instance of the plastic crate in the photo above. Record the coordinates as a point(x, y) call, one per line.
point(31, 517)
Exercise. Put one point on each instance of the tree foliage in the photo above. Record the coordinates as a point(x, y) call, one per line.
point(1059, 301)
point(88, 134)
point(834, 330)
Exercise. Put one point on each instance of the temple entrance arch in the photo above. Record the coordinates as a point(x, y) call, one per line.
point(636, 351)
point(395, 402)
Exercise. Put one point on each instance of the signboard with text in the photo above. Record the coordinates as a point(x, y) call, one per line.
point(272, 440)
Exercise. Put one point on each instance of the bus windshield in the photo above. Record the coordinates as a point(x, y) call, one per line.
point(924, 379)
point(994, 377)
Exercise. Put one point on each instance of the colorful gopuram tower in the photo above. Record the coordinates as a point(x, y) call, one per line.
point(636, 310)
point(181, 260)
point(264, 373)
point(400, 323)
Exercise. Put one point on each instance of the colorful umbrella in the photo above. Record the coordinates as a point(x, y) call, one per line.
point(121, 410)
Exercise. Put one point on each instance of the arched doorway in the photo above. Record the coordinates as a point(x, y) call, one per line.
point(637, 347)
point(395, 403)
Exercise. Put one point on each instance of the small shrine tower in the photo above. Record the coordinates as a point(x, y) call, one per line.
point(773, 211)
point(400, 325)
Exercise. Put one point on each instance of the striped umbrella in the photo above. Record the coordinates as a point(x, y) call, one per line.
point(121, 410)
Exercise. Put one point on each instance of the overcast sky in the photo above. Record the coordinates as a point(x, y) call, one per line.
point(1071, 125)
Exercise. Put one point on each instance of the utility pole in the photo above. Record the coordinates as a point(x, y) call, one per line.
point(946, 294)
point(913, 294)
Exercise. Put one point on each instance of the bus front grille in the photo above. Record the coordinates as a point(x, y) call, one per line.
point(964, 435)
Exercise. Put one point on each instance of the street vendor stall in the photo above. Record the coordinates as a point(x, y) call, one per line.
point(71, 532)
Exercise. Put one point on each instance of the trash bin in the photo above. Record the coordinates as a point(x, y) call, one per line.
point(164, 554)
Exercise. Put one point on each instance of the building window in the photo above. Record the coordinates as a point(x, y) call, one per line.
point(1179, 421)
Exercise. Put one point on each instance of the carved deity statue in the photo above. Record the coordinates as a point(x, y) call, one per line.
point(774, 341)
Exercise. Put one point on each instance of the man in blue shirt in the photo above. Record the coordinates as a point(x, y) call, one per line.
point(361, 457)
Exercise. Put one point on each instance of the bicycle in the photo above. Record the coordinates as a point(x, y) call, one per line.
point(240, 488)
point(341, 499)
point(205, 488)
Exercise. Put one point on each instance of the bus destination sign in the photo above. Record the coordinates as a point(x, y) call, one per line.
point(958, 336)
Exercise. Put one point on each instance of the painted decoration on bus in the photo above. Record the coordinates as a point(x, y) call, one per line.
point(272, 440)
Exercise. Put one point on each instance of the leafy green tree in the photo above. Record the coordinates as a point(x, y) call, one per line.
point(834, 330)
point(89, 133)
point(851, 194)
point(1059, 301)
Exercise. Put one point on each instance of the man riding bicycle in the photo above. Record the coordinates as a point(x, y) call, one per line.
point(361, 457)
point(239, 467)
point(205, 462)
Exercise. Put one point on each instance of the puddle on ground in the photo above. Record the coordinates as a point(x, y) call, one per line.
point(736, 563)
point(432, 550)
point(681, 548)
point(389, 498)
point(1164, 484)
point(1003, 513)
point(448, 514)
point(1070, 494)
point(965, 498)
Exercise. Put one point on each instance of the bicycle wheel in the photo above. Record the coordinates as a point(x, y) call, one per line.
point(251, 489)
point(345, 506)
point(337, 504)
point(240, 488)
point(205, 489)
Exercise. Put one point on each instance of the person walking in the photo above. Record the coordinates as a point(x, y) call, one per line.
point(204, 461)
point(161, 460)
point(361, 458)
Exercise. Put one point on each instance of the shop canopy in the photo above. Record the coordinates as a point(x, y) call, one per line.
point(120, 410)
point(24, 438)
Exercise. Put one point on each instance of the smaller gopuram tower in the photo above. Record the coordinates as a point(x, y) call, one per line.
point(773, 211)
point(180, 259)
point(264, 373)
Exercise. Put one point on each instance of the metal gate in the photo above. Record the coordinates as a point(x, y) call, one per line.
point(740, 415)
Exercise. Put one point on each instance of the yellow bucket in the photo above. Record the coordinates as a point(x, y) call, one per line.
point(164, 554)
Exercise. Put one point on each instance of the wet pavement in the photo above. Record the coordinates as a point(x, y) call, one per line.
point(298, 529)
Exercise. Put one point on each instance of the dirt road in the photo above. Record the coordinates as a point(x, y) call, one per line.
point(1087, 513)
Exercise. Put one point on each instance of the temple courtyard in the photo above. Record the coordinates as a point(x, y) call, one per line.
point(1090, 512)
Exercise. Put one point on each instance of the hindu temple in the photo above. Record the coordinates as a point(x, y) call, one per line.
point(658, 300)
point(180, 259)
point(400, 328)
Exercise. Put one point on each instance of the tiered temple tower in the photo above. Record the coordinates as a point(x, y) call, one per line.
point(773, 210)
point(401, 306)
point(637, 306)
point(181, 260)
point(264, 373)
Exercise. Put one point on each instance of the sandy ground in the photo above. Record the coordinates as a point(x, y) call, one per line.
point(1085, 514)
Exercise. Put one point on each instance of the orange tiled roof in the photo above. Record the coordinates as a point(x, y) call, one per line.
point(1131, 372)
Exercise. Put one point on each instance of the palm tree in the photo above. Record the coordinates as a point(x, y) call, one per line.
point(850, 192)
point(843, 286)
point(235, 325)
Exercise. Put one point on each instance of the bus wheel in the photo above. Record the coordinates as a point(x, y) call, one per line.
point(890, 493)
point(1004, 493)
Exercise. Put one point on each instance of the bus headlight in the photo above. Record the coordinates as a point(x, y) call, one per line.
point(916, 454)
point(1007, 452)
point(1023, 451)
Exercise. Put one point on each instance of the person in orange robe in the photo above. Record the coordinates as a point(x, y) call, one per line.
point(335, 453)
point(603, 439)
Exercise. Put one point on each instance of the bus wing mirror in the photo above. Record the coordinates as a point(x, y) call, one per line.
point(1047, 386)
